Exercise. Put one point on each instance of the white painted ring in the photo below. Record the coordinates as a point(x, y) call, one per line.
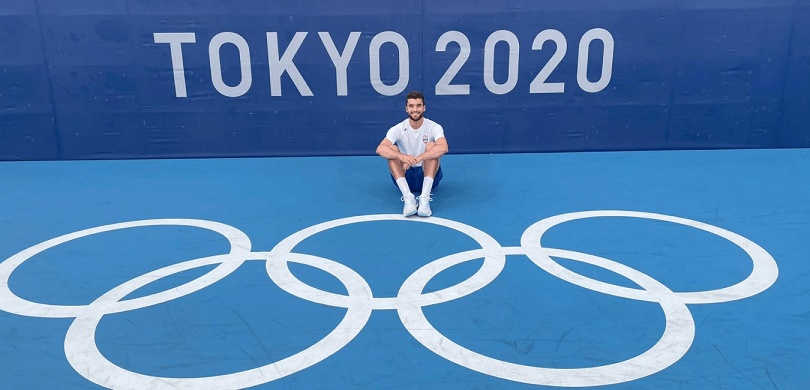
point(83, 353)
point(762, 277)
point(494, 261)
point(674, 343)
point(10, 302)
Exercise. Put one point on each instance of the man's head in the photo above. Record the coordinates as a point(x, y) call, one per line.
point(415, 105)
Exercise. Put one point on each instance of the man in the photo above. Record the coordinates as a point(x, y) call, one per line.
point(413, 148)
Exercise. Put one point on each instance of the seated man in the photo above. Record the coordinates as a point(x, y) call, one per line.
point(413, 148)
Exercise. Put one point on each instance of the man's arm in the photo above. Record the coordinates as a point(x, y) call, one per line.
point(386, 151)
point(437, 151)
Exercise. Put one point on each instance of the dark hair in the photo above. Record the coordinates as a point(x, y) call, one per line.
point(415, 95)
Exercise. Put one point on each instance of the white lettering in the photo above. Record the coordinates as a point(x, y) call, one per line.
point(374, 63)
point(282, 61)
point(285, 64)
point(341, 61)
point(539, 84)
point(489, 62)
point(607, 60)
point(443, 87)
point(244, 63)
point(175, 40)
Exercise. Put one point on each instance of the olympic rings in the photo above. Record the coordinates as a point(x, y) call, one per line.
point(83, 354)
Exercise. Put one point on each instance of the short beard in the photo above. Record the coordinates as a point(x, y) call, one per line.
point(420, 115)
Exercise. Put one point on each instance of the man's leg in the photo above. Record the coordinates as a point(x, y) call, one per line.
point(395, 162)
point(397, 167)
point(429, 167)
point(398, 172)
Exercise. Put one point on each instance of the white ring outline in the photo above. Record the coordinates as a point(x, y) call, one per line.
point(763, 275)
point(10, 302)
point(84, 356)
point(494, 261)
point(678, 336)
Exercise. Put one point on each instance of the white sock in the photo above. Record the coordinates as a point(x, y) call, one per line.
point(403, 186)
point(427, 186)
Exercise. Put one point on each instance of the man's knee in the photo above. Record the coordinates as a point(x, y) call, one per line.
point(428, 147)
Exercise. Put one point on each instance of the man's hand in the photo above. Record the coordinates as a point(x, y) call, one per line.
point(407, 159)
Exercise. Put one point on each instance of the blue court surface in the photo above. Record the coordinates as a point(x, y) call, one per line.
point(619, 270)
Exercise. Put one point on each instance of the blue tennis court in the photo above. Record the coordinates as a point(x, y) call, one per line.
point(623, 270)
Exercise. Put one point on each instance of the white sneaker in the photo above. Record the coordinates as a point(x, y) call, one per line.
point(410, 205)
point(424, 206)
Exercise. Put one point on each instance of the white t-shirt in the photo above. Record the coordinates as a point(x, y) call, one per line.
point(412, 141)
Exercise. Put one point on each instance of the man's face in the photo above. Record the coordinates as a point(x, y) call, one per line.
point(415, 108)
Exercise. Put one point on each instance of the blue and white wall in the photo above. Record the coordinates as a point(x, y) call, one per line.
point(89, 79)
